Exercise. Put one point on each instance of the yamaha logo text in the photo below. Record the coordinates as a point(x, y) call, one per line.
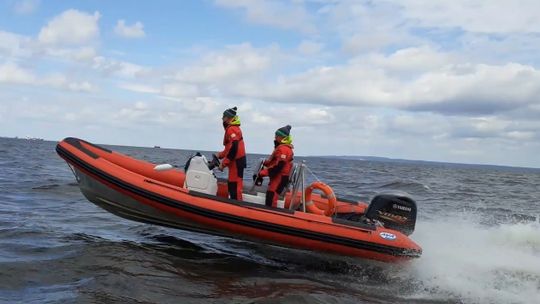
point(400, 207)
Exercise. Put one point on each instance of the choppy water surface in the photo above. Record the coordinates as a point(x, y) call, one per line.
point(478, 227)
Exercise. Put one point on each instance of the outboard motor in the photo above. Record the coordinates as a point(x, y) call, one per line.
point(199, 176)
point(397, 212)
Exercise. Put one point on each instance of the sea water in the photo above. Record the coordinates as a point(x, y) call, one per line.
point(478, 227)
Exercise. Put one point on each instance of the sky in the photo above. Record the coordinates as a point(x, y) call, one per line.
point(454, 81)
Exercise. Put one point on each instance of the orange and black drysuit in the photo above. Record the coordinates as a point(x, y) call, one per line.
point(278, 167)
point(234, 157)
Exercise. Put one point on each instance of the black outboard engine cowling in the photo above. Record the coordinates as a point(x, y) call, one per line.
point(397, 212)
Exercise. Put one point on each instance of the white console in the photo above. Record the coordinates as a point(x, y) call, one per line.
point(199, 178)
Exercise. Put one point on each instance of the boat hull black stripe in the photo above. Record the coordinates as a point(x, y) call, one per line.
point(355, 224)
point(77, 144)
point(395, 251)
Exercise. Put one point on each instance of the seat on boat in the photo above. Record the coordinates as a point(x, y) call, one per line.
point(199, 177)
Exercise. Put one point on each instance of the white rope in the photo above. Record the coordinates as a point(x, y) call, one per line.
point(317, 178)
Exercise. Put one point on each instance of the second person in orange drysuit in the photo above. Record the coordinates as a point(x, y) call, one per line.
point(278, 166)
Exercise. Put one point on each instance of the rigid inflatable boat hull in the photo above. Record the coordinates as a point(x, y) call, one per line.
point(129, 188)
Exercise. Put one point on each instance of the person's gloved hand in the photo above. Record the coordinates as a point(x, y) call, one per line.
point(257, 179)
point(263, 173)
point(214, 162)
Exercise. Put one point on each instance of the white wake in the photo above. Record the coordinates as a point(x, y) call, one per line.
point(478, 264)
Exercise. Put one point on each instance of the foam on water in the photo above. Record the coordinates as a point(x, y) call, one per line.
point(465, 260)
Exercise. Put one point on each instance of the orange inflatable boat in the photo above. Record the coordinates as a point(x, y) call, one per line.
point(194, 199)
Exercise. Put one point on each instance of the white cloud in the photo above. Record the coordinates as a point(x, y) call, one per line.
point(521, 135)
point(408, 60)
point(118, 68)
point(79, 54)
point(139, 88)
point(417, 79)
point(263, 119)
point(84, 86)
point(234, 63)
point(422, 124)
point(137, 112)
point(488, 16)
point(371, 26)
point(317, 116)
point(489, 124)
point(367, 26)
point(180, 90)
point(60, 81)
point(407, 79)
point(274, 13)
point(71, 27)
point(18, 47)
point(84, 54)
point(13, 45)
point(167, 112)
point(478, 127)
point(475, 88)
point(430, 136)
point(134, 31)
point(13, 74)
point(373, 40)
point(282, 115)
point(26, 6)
point(500, 48)
point(307, 47)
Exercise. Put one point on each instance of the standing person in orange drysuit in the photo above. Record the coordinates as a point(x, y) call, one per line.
point(278, 166)
point(234, 154)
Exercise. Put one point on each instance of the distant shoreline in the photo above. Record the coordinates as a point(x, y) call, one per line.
point(341, 157)
point(411, 161)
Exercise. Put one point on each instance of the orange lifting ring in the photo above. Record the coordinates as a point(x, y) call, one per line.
point(312, 208)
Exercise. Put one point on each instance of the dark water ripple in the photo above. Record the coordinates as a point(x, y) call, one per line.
point(478, 226)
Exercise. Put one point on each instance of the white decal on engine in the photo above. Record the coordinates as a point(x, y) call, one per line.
point(387, 236)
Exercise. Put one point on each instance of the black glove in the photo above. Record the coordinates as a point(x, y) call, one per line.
point(258, 180)
point(214, 162)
